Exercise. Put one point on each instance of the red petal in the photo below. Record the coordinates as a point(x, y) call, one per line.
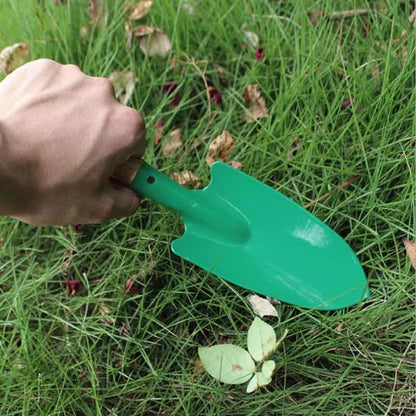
point(76, 227)
point(259, 53)
point(73, 286)
point(215, 95)
point(175, 101)
point(169, 87)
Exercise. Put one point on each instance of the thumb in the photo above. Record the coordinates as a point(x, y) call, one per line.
point(125, 201)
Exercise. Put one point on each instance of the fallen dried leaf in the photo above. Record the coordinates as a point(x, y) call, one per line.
point(293, 149)
point(340, 327)
point(172, 143)
point(337, 188)
point(13, 56)
point(222, 74)
point(236, 164)
point(123, 82)
point(262, 306)
point(96, 10)
point(257, 104)
point(188, 7)
point(186, 178)
point(105, 312)
point(152, 41)
point(220, 148)
point(137, 11)
point(66, 260)
point(411, 251)
point(73, 286)
point(252, 38)
point(412, 17)
point(158, 132)
point(345, 14)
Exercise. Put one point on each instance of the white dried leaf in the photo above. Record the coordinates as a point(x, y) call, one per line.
point(152, 40)
point(236, 164)
point(13, 56)
point(252, 38)
point(220, 148)
point(172, 143)
point(262, 306)
point(187, 178)
point(138, 10)
point(123, 82)
point(411, 251)
point(257, 104)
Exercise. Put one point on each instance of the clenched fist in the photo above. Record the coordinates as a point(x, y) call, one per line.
point(62, 136)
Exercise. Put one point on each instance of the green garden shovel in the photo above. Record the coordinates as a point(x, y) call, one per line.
point(252, 235)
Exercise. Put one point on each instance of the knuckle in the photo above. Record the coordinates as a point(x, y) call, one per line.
point(72, 67)
point(135, 122)
point(104, 85)
point(45, 62)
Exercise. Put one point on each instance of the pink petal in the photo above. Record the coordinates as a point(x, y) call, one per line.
point(346, 103)
point(159, 125)
point(129, 287)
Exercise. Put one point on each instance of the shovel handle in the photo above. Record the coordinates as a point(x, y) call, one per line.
point(155, 185)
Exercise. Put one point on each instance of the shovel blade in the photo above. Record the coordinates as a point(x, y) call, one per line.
point(274, 247)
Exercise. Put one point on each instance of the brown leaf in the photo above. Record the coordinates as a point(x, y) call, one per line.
point(236, 164)
point(187, 178)
point(172, 143)
point(67, 259)
point(411, 251)
point(96, 10)
point(293, 149)
point(105, 313)
point(257, 104)
point(123, 82)
point(261, 306)
point(152, 41)
point(412, 17)
point(13, 56)
point(137, 11)
point(222, 75)
point(220, 148)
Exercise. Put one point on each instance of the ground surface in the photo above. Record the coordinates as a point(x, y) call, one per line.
point(103, 352)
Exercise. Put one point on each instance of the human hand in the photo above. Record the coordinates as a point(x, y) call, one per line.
point(62, 136)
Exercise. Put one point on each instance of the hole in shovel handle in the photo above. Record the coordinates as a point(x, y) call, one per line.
point(150, 179)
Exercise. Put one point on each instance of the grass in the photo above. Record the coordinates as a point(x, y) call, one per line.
point(102, 352)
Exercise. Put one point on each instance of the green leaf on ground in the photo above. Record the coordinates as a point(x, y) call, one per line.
point(228, 363)
point(261, 339)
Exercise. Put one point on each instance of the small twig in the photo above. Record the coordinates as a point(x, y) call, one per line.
point(347, 13)
point(321, 198)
